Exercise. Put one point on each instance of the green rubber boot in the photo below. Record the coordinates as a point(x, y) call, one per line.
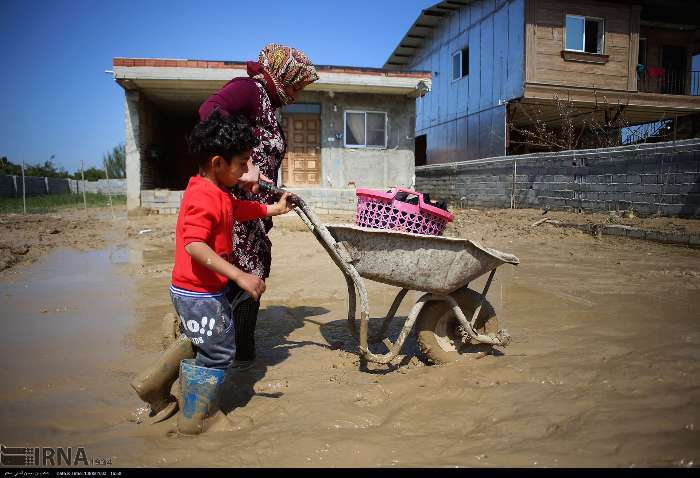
point(200, 388)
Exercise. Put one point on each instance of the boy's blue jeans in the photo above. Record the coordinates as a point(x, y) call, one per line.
point(206, 318)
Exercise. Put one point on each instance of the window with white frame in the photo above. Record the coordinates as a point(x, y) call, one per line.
point(365, 129)
point(460, 64)
point(585, 34)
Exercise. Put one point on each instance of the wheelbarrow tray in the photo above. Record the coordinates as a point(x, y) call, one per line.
point(439, 265)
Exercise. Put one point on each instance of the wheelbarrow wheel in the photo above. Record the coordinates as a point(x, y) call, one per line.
point(438, 332)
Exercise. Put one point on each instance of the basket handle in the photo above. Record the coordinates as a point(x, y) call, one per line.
point(421, 203)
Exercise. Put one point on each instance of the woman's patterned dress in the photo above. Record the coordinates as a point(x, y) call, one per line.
point(252, 250)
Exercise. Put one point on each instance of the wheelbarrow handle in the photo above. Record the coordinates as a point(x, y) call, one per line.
point(308, 216)
point(274, 190)
point(352, 277)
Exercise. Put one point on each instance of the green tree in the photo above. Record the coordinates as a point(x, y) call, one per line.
point(91, 174)
point(8, 167)
point(114, 162)
point(48, 169)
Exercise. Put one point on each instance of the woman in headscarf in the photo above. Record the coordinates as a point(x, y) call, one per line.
point(273, 81)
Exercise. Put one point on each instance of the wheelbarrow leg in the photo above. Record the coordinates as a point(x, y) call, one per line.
point(501, 338)
point(379, 336)
point(352, 306)
point(356, 285)
point(352, 311)
point(405, 330)
point(364, 318)
point(483, 297)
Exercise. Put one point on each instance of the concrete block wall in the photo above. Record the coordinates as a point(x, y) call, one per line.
point(58, 185)
point(103, 186)
point(164, 201)
point(661, 178)
point(327, 200)
point(34, 186)
point(7, 186)
point(323, 200)
point(11, 186)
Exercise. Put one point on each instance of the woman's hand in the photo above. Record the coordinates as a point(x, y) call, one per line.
point(253, 285)
point(283, 206)
point(249, 180)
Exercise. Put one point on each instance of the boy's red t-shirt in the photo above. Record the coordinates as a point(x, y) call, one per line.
point(206, 215)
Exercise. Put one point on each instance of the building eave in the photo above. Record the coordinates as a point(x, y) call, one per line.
point(428, 20)
point(195, 75)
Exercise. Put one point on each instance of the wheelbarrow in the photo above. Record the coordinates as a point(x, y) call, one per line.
point(450, 317)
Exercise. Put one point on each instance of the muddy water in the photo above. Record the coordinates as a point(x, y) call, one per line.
point(602, 369)
point(63, 321)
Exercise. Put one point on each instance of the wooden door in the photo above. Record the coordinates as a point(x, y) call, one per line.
point(302, 163)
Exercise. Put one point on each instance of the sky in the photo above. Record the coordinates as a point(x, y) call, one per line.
point(56, 99)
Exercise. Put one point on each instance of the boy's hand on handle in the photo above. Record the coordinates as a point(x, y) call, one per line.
point(283, 206)
point(253, 285)
point(285, 203)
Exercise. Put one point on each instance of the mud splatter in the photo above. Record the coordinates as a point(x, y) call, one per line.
point(601, 371)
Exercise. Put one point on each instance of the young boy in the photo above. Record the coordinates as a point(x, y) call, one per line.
point(203, 239)
point(203, 242)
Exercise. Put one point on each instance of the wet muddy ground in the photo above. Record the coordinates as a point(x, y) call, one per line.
point(602, 370)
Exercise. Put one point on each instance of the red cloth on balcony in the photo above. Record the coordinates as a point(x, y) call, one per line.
point(655, 72)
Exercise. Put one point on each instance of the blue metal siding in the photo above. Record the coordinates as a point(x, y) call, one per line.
point(465, 119)
point(462, 85)
point(515, 86)
point(500, 50)
point(487, 64)
point(474, 77)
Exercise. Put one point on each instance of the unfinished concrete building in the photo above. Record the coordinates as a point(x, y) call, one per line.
point(354, 127)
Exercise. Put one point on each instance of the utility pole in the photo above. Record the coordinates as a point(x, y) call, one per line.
point(24, 191)
point(109, 191)
point(82, 175)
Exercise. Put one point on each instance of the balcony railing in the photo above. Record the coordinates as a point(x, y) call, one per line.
point(668, 82)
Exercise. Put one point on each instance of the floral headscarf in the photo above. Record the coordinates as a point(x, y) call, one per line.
point(281, 66)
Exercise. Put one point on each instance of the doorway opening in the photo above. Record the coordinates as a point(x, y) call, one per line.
point(421, 150)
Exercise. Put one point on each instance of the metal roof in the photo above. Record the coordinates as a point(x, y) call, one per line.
point(422, 28)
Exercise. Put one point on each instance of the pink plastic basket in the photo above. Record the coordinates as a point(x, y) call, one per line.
point(381, 210)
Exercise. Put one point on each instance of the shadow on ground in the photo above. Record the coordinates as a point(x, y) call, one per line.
point(337, 333)
point(274, 326)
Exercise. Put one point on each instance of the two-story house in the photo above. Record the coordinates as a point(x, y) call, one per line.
point(498, 65)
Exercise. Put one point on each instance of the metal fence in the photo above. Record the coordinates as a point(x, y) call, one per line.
point(670, 82)
point(31, 194)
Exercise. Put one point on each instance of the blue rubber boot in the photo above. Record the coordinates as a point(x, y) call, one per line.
point(200, 392)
